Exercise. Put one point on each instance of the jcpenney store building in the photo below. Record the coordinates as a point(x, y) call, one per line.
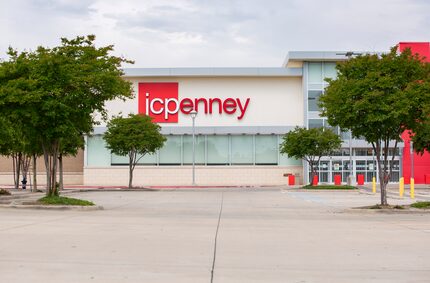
point(242, 115)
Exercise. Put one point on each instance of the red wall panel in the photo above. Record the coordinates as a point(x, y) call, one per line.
point(421, 162)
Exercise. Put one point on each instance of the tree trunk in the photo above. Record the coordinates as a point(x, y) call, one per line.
point(60, 164)
point(383, 181)
point(50, 155)
point(54, 184)
point(14, 171)
point(48, 172)
point(34, 174)
point(313, 172)
point(130, 176)
point(132, 155)
point(18, 169)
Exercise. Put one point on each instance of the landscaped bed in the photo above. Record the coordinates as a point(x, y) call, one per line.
point(424, 205)
point(329, 187)
point(421, 205)
point(59, 200)
point(4, 192)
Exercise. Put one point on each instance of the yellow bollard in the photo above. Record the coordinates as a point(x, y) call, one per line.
point(374, 185)
point(412, 188)
point(401, 187)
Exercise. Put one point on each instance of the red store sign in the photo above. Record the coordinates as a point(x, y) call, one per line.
point(160, 101)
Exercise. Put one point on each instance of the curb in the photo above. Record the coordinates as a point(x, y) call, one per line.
point(54, 207)
point(320, 191)
point(387, 211)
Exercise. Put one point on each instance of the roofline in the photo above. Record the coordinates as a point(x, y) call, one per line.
point(212, 72)
point(301, 56)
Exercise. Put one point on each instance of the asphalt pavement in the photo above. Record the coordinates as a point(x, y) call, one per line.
point(216, 235)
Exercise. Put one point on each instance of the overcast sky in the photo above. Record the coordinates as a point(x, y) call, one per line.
point(204, 33)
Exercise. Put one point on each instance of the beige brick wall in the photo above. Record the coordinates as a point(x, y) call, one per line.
point(70, 178)
point(70, 163)
point(182, 176)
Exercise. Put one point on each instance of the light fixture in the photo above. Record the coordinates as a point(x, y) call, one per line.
point(193, 115)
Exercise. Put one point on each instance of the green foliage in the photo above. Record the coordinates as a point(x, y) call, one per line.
point(302, 143)
point(56, 92)
point(421, 204)
point(57, 200)
point(378, 97)
point(329, 187)
point(310, 144)
point(4, 192)
point(134, 136)
point(421, 130)
point(72, 144)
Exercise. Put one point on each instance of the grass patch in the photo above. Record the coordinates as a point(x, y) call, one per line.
point(329, 187)
point(376, 206)
point(379, 206)
point(421, 205)
point(4, 192)
point(64, 201)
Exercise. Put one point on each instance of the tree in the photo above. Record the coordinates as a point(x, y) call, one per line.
point(15, 139)
point(377, 97)
point(16, 143)
point(420, 132)
point(59, 90)
point(134, 136)
point(310, 145)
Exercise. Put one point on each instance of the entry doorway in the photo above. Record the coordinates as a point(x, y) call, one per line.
point(328, 168)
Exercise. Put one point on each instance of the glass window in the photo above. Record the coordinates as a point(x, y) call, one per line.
point(345, 135)
point(333, 129)
point(315, 123)
point(315, 72)
point(170, 153)
point(242, 149)
point(313, 97)
point(330, 70)
point(363, 152)
point(345, 151)
point(217, 150)
point(285, 160)
point(148, 159)
point(391, 152)
point(266, 150)
point(199, 150)
point(97, 153)
point(336, 153)
point(119, 160)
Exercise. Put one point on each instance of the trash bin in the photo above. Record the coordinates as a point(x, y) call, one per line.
point(24, 183)
point(337, 179)
point(360, 179)
point(315, 180)
point(291, 180)
point(427, 179)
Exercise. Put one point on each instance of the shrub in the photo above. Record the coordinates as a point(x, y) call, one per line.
point(421, 204)
point(4, 192)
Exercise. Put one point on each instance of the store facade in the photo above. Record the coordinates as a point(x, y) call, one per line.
point(243, 114)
